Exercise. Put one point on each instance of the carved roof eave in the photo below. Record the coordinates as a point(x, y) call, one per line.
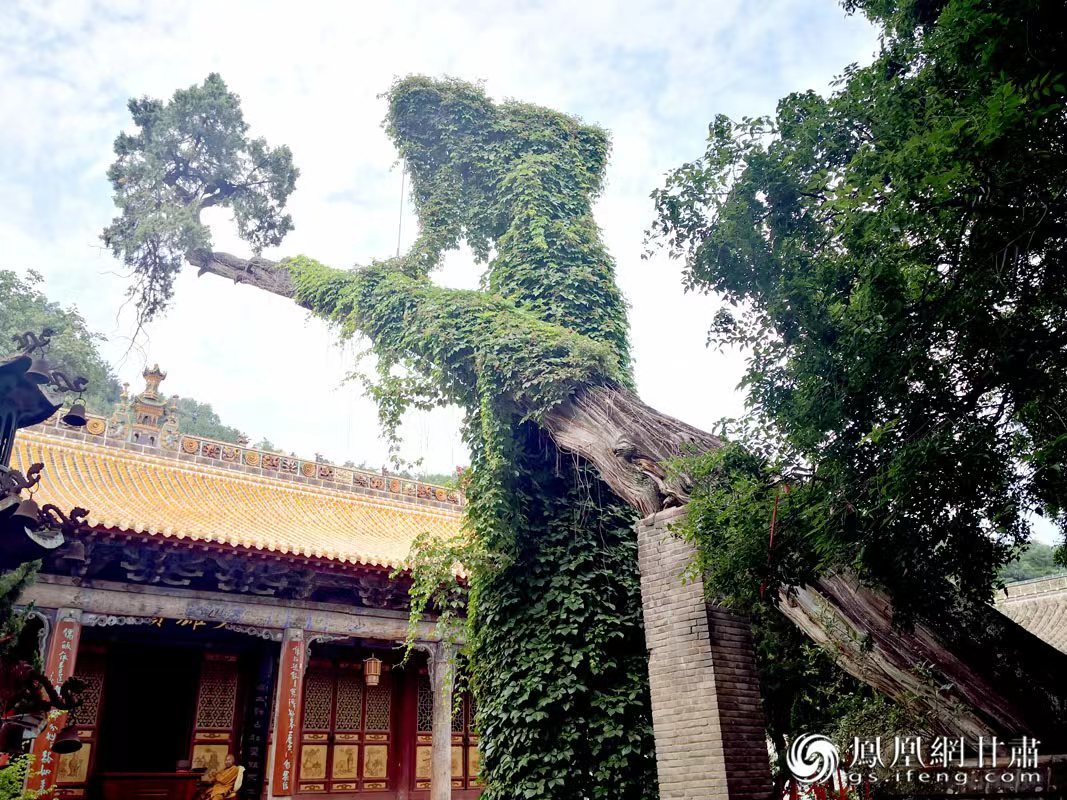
point(321, 564)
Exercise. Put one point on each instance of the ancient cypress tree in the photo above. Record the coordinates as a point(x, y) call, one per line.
point(563, 451)
point(558, 660)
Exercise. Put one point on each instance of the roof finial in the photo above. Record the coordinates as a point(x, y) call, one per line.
point(153, 377)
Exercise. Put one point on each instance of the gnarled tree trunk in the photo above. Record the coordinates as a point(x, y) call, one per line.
point(998, 680)
point(1014, 686)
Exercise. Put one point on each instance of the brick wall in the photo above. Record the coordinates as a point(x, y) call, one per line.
point(706, 712)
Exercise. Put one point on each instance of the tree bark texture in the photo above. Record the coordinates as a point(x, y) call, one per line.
point(991, 678)
point(1017, 685)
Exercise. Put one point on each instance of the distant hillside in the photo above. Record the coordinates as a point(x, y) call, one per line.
point(76, 350)
point(1035, 562)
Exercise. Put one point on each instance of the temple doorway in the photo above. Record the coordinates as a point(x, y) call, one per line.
point(165, 702)
point(146, 725)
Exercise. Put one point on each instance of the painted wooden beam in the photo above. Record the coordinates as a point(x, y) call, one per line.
point(123, 600)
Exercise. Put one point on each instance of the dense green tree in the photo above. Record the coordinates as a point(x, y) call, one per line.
point(1036, 561)
point(892, 261)
point(13, 779)
point(200, 419)
point(74, 348)
point(450, 479)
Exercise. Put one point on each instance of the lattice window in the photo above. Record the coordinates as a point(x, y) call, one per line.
point(379, 702)
point(349, 706)
point(466, 759)
point(318, 700)
point(473, 718)
point(457, 714)
point(218, 695)
point(89, 710)
point(425, 708)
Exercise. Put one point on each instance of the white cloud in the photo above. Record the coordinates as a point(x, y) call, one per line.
point(309, 75)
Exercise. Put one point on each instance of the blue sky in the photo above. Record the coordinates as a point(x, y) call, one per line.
point(309, 74)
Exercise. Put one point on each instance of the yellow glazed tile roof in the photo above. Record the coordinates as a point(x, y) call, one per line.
point(1040, 606)
point(160, 496)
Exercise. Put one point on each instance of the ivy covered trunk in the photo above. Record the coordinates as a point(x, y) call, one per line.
point(558, 649)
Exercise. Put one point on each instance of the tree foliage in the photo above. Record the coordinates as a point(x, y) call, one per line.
point(200, 419)
point(13, 583)
point(74, 348)
point(1036, 561)
point(13, 779)
point(892, 258)
point(187, 155)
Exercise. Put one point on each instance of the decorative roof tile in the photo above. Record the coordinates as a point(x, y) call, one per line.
point(157, 495)
point(1040, 606)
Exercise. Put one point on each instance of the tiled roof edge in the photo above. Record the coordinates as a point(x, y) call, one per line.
point(1032, 587)
point(195, 450)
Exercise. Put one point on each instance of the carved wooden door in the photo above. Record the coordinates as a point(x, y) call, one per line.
point(346, 736)
point(465, 756)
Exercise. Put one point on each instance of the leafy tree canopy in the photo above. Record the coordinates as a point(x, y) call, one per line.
point(200, 419)
point(1036, 561)
point(74, 348)
point(187, 155)
point(892, 257)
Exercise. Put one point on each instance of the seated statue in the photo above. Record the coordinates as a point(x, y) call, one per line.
point(224, 782)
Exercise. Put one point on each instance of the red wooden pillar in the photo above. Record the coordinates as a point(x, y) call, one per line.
point(60, 661)
point(287, 707)
point(405, 698)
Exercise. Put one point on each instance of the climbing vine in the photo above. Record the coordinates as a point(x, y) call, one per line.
point(554, 633)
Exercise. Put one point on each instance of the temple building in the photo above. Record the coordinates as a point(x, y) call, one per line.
point(230, 600)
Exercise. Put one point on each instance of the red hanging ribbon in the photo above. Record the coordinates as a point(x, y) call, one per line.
point(770, 542)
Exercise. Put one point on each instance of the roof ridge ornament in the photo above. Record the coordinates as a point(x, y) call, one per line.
point(153, 376)
point(151, 420)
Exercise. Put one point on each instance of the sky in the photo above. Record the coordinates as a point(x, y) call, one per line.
point(310, 75)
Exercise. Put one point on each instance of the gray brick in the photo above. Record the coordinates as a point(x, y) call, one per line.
point(706, 709)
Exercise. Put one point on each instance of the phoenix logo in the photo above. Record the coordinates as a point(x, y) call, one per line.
point(812, 758)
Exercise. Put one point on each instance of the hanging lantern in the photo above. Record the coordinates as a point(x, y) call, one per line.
point(76, 416)
point(67, 741)
point(372, 670)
